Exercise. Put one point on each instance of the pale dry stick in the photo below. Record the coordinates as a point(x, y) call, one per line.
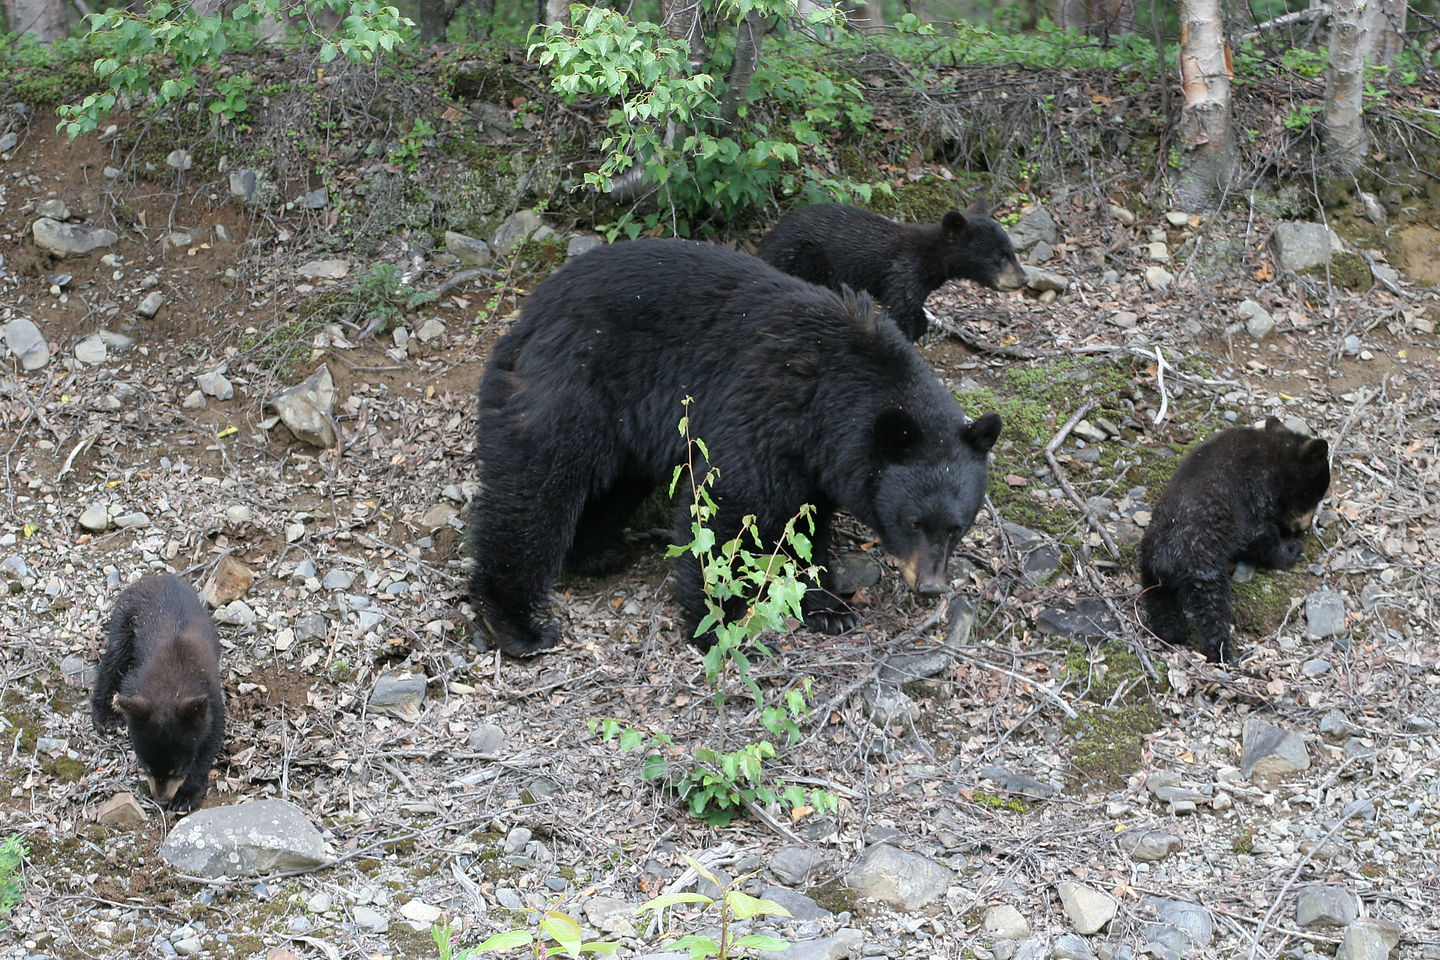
point(84, 443)
point(709, 859)
point(1019, 677)
point(1346, 815)
point(423, 297)
point(1160, 367)
point(1055, 468)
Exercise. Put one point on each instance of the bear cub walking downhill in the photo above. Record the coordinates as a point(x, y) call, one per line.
point(898, 264)
point(801, 396)
point(1245, 494)
point(160, 675)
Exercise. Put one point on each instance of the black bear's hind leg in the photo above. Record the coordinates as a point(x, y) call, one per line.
point(1208, 603)
point(599, 546)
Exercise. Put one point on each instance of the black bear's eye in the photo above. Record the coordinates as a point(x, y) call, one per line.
point(914, 524)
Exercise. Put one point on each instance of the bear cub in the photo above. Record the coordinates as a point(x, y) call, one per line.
point(1245, 494)
point(830, 244)
point(799, 394)
point(160, 676)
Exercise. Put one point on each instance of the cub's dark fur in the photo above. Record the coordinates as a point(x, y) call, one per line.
point(160, 675)
point(801, 396)
point(1244, 494)
point(831, 244)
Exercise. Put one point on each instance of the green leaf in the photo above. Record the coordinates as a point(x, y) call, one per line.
point(507, 940)
point(667, 900)
point(756, 941)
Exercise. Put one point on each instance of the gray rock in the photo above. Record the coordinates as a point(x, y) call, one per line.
point(1148, 845)
point(398, 695)
point(488, 740)
point(520, 225)
point(95, 518)
point(842, 944)
point(25, 342)
point(1351, 346)
point(316, 199)
point(1042, 280)
point(180, 160)
point(213, 383)
point(888, 704)
point(1368, 940)
point(1070, 946)
point(1183, 927)
point(78, 669)
point(1326, 905)
point(801, 907)
point(904, 880)
point(1125, 319)
point(1084, 618)
point(1335, 726)
point(132, 519)
point(262, 836)
point(853, 570)
point(325, 269)
point(236, 613)
point(14, 569)
point(70, 239)
point(1300, 245)
point(468, 249)
point(1017, 783)
point(118, 342)
point(1087, 909)
point(305, 408)
point(610, 915)
point(55, 209)
point(429, 330)
point(581, 243)
point(1034, 226)
point(152, 303)
point(905, 666)
point(1270, 752)
point(796, 863)
point(311, 626)
point(1158, 278)
point(338, 580)
point(517, 839)
point(91, 350)
point(8, 142)
point(1004, 922)
point(1258, 322)
point(369, 919)
point(962, 621)
point(243, 183)
point(175, 240)
point(1315, 668)
point(1324, 614)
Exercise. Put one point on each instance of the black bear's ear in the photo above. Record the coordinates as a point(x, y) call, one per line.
point(136, 709)
point(193, 711)
point(896, 433)
point(1315, 449)
point(982, 434)
point(978, 208)
point(1273, 425)
point(953, 224)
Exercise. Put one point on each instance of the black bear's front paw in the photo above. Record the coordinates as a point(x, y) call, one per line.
point(1215, 650)
point(602, 562)
point(106, 719)
point(526, 641)
point(1288, 553)
point(831, 621)
point(189, 796)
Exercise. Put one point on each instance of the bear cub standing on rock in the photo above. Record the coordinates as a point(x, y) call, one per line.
point(160, 675)
point(830, 244)
point(1244, 494)
point(800, 395)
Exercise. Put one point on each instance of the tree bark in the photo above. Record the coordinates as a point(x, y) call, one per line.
point(749, 33)
point(42, 19)
point(432, 20)
point(1206, 131)
point(681, 19)
point(1384, 25)
point(1096, 18)
point(553, 11)
point(1344, 119)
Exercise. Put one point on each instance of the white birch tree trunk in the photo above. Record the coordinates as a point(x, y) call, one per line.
point(1384, 24)
point(1206, 131)
point(1343, 121)
point(42, 19)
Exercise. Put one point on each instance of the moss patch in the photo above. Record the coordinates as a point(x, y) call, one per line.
point(1105, 741)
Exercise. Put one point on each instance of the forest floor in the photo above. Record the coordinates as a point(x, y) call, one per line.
point(415, 809)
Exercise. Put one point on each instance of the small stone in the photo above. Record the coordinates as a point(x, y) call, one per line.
point(1158, 250)
point(305, 409)
point(1350, 346)
point(1088, 432)
point(1035, 225)
point(1070, 946)
point(1269, 752)
point(398, 695)
point(180, 160)
point(230, 581)
point(91, 350)
point(26, 343)
point(1177, 218)
point(247, 839)
point(1044, 280)
point(1258, 321)
point(175, 240)
point(1158, 278)
point(121, 810)
point(517, 839)
point(236, 613)
point(1004, 922)
point(134, 519)
point(519, 226)
point(325, 269)
point(1148, 844)
point(1183, 928)
point(581, 243)
point(1125, 319)
point(338, 580)
point(188, 946)
point(316, 199)
point(243, 183)
point(429, 330)
point(1368, 940)
point(55, 209)
point(795, 864)
point(117, 342)
point(151, 305)
point(904, 880)
point(1315, 668)
point(1121, 214)
point(420, 912)
point(487, 740)
point(194, 400)
point(1325, 905)
point(1301, 245)
point(468, 249)
point(96, 519)
point(1324, 614)
point(368, 919)
point(213, 383)
point(1087, 909)
point(70, 239)
point(439, 516)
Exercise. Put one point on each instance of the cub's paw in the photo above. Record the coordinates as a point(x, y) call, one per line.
point(187, 798)
point(1288, 553)
point(831, 621)
point(107, 720)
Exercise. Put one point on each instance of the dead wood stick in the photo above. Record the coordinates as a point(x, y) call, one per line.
point(1050, 449)
point(430, 296)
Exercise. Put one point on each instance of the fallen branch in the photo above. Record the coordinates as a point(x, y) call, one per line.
point(1056, 469)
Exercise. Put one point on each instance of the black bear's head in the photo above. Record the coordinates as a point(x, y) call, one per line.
point(974, 247)
point(166, 738)
point(1302, 466)
point(927, 490)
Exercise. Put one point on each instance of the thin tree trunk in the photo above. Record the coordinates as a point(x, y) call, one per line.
point(1384, 29)
point(1206, 131)
point(553, 11)
point(1344, 119)
point(42, 19)
point(432, 20)
point(749, 33)
point(1096, 18)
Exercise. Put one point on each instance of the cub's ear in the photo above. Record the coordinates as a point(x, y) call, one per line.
point(1273, 425)
point(981, 434)
point(193, 711)
point(136, 709)
point(894, 435)
point(978, 208)
point(1315, 449)
point(953, 225)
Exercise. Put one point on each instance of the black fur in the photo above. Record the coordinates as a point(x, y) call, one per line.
point(1245, 494)
point(160, 676)
point(801, 396)
point(900, 265)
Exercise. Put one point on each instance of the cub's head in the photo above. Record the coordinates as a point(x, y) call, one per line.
point(166, 738)
point(1302, 471)
point(927, 490)
point(975, 247)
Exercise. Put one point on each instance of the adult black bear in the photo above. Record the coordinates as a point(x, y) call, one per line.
point(800, 395)
point(1244, 494)
point(160, 674)
point(898, 264)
